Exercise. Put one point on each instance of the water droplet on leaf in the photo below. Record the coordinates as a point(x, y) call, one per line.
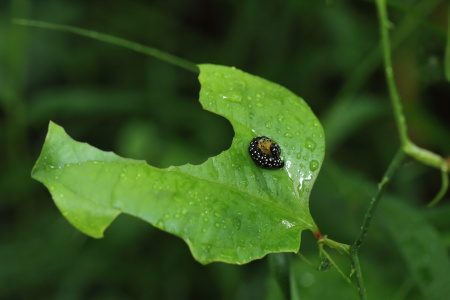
point(313, 165)
point(233, 97)
point(310, 144)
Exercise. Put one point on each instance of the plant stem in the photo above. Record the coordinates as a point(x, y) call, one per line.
point(442, 191)
point(341, 248)
point(395, 98)
point(357, 269)
point(371, 60)
point(172, 59)
point(328, 257)
point(407, 148)
point(422, 155)
point(393, 167)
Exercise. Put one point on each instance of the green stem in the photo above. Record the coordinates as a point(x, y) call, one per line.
point(328, 257)
point(422, 155)
point(341, 248)
point(442, 191)
point(425, 156)
point(395, 98)
point(371, 61)
point(172, 59)
point(393, 167)
point(357, 269)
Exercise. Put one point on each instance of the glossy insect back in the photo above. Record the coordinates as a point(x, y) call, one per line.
point(265, 153)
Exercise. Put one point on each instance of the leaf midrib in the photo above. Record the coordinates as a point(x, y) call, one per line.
point(242, 192)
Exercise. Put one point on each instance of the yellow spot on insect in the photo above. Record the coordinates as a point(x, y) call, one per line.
point(264, 144)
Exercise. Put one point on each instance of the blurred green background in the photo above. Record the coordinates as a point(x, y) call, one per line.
point(139, 107)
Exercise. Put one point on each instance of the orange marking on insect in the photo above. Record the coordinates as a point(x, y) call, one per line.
point(264, 144)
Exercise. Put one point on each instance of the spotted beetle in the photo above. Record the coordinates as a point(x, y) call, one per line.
point(265, 153)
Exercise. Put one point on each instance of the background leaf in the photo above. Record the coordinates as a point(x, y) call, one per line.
point(226, 209)
point(421, 248)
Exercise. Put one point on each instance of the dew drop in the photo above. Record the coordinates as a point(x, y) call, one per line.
point(160, 224)
point(310, 144)
point(280, 117)
point(288, 134)
point(233, 97)
point(206, 247)
point(287, 224)
point(259, 104)
point(313, 165)
point(241, 84)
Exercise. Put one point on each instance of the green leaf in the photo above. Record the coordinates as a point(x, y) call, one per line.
point(280, 266)
point(226, 209)
point(421, 247)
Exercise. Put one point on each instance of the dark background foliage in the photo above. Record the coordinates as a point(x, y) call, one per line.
point(139, 107)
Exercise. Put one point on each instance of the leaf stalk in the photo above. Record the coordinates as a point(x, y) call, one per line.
point(164, 56)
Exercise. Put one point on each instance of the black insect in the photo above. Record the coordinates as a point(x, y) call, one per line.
point(265, 153)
